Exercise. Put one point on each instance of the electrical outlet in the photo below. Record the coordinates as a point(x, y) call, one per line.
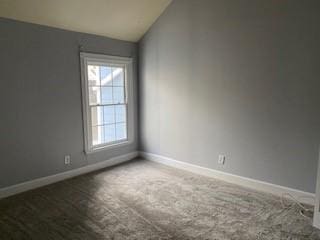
point(221, 159)
point(67, 159)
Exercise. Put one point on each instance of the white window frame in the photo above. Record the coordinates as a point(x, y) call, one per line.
point(100, 59)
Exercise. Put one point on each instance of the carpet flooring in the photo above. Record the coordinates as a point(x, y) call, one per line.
point(145, 200)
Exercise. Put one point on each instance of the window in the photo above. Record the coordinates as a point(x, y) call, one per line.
point(107, 101)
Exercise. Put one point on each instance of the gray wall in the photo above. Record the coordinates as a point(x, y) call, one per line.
point(241, 78)
point(40, 99)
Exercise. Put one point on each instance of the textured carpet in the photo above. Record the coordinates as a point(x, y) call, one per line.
point(145, 200)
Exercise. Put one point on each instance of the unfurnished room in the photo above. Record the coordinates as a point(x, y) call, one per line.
point(160, 119)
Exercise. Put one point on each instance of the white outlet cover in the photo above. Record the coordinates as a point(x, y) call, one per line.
point(222, 159)
point(67, 159)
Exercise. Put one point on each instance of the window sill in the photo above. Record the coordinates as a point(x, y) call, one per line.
point(108, 147)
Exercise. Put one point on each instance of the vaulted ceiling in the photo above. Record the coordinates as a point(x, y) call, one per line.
point(119, 19)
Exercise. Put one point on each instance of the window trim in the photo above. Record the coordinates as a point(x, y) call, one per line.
point(99, 59)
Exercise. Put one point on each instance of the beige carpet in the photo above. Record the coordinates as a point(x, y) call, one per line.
point(145, 200)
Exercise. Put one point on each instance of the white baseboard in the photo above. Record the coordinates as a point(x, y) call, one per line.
point(39, 182)
point(303, 197)
point(316, 213)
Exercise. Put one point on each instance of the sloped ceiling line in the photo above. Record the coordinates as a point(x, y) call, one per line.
point(125, 20)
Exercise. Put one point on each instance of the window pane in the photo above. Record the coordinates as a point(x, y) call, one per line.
point(121, 131)
point(118, 76)
point(120, 113)
point(107, 110)
point(108, 114)
point(96, 116)
point(97, 135)
point(118, 95)
point(106, 95)
point(94, 95)
point(109, 133)
point(93, 75)
point(106, 76)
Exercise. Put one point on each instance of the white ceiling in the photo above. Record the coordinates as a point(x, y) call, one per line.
point(119, 19)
